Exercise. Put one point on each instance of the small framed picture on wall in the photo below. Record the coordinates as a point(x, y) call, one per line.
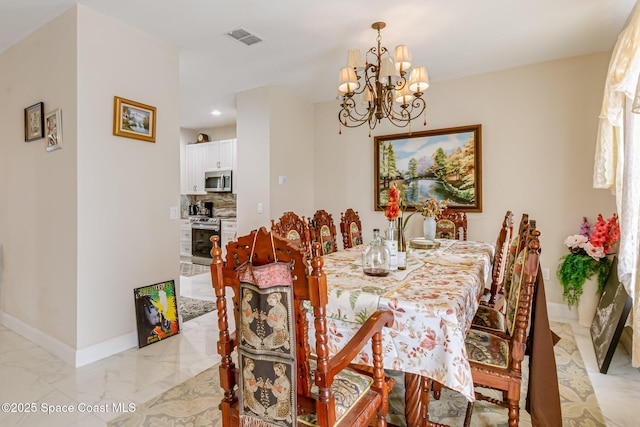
point(34, 122)
point(53, 126)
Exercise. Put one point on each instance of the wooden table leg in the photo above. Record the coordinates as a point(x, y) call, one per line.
point(416, 396)
point(413, 399)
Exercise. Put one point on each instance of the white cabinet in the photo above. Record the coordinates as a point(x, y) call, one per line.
point(185, 238)
point(195, 165)
point(214, 155)
point(221, 154)
point(225, 153)
point(228, 229)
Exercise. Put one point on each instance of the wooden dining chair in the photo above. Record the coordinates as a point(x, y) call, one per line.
point(496, 361)
point(451, 224)
point(323, 231)
point(275, 380)
point(350, 228)
point(494, 319)
point(494, 297)
point(292, 227)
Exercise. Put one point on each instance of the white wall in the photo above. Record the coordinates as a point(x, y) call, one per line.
point(292, 149)
point(38, 191)
point(82, 226)
point(219, 133)
point(539, 128)
point(273, 140)
point(252, 180)
point(125, 186)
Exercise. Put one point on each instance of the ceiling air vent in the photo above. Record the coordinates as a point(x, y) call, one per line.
point(244, 36)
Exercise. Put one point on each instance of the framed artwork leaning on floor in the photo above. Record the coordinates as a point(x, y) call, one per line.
point(156, 312)
point(611, 315)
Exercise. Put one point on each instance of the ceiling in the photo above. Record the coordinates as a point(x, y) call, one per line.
point(305, 41)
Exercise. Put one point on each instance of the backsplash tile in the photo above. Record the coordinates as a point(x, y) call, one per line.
point(224, 204)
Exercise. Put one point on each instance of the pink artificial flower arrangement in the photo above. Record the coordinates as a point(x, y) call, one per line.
point(588, 256)
point(597, 243)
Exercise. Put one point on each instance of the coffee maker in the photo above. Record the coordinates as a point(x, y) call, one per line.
point(208, 209)
point(193, 210)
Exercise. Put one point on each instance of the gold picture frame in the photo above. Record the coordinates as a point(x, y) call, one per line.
point(133, 119)
point(445, 163)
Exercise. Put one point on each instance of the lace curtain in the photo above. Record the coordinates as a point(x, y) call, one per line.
point(617, 159)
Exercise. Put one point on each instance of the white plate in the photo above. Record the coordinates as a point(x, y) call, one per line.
point(422, 243)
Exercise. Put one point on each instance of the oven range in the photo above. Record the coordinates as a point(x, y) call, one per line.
point(202, 229)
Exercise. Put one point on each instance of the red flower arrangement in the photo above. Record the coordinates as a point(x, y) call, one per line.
point(393, 209)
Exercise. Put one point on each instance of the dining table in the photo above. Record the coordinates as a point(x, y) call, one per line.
point(433, 301)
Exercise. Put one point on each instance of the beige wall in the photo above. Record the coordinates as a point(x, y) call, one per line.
point(84, 225)
point(219, 133)
point(39, 202)
point(273, 140)
point(126, 238)
point(539, 126)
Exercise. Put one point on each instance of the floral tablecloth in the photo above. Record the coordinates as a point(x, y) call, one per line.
point(433, 301)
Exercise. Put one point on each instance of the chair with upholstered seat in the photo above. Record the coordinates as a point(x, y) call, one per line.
point(350, 228)
point(275, 380)
point(496, 361)
point(292, 227)
point(323, 231)
point(494, 319)
point(451, 224)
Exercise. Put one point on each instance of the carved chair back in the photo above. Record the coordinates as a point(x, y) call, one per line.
point(292, 227)
point(350, 228)
point(323, 231)
point(314, 376)
point(496, 361)
point(501, 258)
point(451, 224)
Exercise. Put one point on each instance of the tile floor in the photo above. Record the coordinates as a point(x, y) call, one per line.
point(103, 390)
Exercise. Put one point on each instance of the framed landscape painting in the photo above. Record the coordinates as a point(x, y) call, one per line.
point(134, 120)
point(444, 163)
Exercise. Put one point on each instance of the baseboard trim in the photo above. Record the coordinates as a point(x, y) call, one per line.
point(561, 311)
point(65, 352)
point(106, 348)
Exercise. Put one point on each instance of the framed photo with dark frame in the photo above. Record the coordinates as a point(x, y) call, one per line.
point(132, 119)
point(612, 312)
point(445, 163)
point(156, 312)
point(34, 122)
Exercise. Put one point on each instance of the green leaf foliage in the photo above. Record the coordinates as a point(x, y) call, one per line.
point(575, 269)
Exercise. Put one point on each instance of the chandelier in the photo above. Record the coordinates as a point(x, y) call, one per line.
point(378, 88)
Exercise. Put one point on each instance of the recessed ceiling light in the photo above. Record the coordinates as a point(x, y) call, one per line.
point(216, 112)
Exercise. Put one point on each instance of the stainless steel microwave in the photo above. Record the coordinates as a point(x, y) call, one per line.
point(217, 181)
